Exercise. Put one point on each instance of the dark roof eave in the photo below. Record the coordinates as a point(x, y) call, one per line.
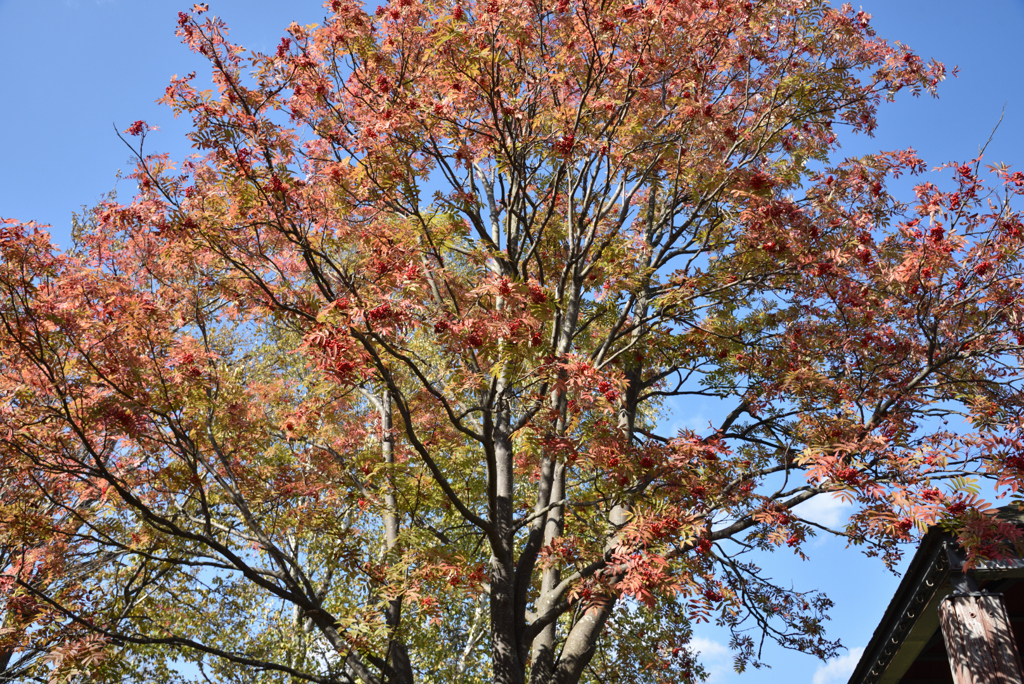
point(928, 570)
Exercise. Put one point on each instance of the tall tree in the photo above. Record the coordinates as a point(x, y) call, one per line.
point(370, 389)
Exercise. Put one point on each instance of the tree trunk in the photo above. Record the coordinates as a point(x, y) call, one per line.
point(398, 655)
point(542, 659)
point(504, 625)
point(581, 643)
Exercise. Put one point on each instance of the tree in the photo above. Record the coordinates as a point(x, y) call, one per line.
point(370, 389)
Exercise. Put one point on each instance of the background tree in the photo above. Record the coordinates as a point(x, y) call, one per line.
point(378, 376)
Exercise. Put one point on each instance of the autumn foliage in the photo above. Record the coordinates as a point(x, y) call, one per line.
point(373, 387)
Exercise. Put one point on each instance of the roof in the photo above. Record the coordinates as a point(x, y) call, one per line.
point(908, 632)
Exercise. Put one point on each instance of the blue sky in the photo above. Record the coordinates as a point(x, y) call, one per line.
point(73, 69)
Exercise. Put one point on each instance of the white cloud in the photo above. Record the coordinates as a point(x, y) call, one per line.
point(709, 648)
point(838, 670)
point(715, 657)
point(825, 509)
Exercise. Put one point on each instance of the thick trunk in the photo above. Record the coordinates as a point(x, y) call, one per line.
point(397, 655)
point(542, 655)
point(581, 643)
point(505, 625)
point(534, 542)
point(542, 661)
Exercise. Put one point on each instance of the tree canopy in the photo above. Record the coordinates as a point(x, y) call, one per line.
point(370, 389)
